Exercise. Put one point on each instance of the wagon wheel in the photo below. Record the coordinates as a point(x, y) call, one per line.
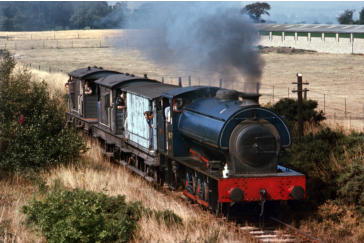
point(157, 179)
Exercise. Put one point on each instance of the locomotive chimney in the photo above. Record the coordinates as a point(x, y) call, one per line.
point(145, 75)
point(179, 81)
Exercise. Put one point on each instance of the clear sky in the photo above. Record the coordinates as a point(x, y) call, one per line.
point(323, 12)
point(309, 12)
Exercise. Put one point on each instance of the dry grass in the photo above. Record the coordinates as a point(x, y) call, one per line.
point(55, 81)
point(95, 174)
point(60, 35)
point(338, 224)
point(15, 192)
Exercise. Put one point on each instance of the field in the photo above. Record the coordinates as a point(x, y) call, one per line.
point(335, 81)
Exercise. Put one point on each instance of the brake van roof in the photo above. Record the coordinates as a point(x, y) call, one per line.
point(90, 72)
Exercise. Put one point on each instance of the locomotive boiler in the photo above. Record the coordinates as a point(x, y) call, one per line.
point(218, 146)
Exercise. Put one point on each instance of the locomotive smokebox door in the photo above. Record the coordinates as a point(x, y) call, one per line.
point(254, 147)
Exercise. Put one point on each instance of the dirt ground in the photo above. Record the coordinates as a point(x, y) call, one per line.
point(336, 81)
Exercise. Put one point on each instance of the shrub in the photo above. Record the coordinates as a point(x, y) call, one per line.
point(325, 159)
point(288, 109)
point(351, 188)
point(32, 123)
point(85, 216)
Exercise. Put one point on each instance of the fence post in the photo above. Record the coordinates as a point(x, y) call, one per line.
point(324, 102)
point(299, 92)
point(345, 108)
point(273, 94)
point(350, 122)
point(189, 81)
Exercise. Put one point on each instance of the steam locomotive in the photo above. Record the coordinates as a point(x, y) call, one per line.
point(218, 145)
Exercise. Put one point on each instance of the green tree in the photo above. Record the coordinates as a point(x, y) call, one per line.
point(89, 14)
point(33, 135)
point(20, 16)
point(256, 10)
point(346, 17)
point(288, 109)
point(361, 16)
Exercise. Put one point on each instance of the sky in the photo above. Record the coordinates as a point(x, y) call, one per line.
point(311, 12)
point(292, 12)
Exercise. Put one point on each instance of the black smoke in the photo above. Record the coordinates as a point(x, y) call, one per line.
point(214, 38)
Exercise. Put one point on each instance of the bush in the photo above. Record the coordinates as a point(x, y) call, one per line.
point(288, 109)
point(32, 123)
point(85, 216)
point(325, 159)
point(351, 188)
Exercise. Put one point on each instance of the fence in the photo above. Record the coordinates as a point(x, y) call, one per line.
point(58, 39)
point(345, 110)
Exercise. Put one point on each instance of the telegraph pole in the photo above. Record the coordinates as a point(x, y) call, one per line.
point(300, 103)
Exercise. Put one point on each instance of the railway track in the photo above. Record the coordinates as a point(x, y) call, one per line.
point(275, 231)
point(269, 234)
point(275, 234)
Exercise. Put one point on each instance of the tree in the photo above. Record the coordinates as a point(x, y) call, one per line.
point(361, 16)
point(346, 17)
point(256, 10)
point(88, 14)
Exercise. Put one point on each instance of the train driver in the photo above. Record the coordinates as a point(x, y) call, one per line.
point(88, 89)
point(149, 118)
point(120, 102)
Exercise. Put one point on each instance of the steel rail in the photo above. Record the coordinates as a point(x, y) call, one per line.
point(297, 230)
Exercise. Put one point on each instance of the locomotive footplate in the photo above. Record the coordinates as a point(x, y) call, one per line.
point(288, 185)
point(285, 184)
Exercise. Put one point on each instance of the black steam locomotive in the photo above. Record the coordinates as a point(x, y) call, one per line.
point(218, 145)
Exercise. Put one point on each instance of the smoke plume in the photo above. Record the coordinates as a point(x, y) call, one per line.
point(213, 38)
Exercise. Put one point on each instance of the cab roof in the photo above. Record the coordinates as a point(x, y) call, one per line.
point(90, 72)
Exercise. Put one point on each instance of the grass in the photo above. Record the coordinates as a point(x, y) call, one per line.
point(335, 224)
point(95, 174)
